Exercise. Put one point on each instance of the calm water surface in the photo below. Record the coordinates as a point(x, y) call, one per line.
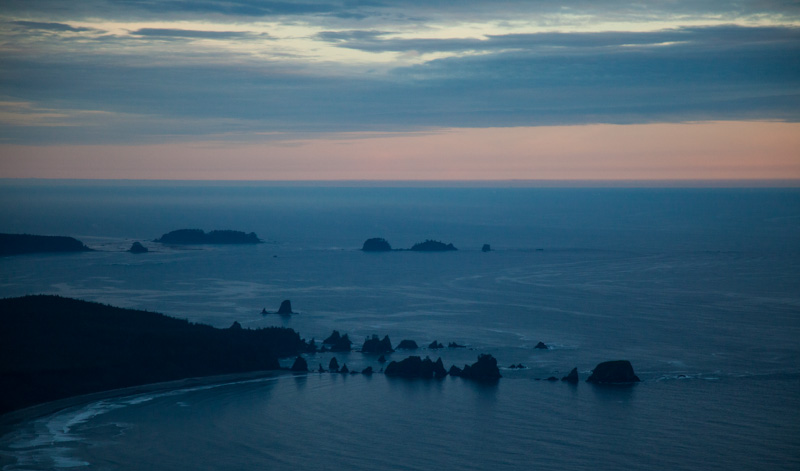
point(699, 288)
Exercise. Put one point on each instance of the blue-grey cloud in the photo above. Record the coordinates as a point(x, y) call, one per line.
point(712, 79)
point(190, 34)
point(358, 10)
point(718, 36)
point(37, 25)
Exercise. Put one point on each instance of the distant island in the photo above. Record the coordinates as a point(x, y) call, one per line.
point(53, 347)
point(18, 244)
point(376, 244)
point(379, 244)
point(198, 236)
point(432, 246)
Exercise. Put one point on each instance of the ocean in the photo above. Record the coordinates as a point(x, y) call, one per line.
point(698, 287)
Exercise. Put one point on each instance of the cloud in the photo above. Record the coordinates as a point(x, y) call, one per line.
point(59, 27)
point(190, 34)
point(325, 70)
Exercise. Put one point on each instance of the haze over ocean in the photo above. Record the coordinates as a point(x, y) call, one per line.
point(697, 287)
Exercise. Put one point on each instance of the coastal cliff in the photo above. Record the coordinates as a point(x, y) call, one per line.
point(53, 347)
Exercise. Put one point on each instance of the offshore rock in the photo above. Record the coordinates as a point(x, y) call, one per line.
point(377, 244)
point(300, 365)
point(137, 247)
point(434, 345)
point(486, 248)
point(541, 346)
point(407, 345)
point(373, 345)
point(572, 377)
point(333, 365)
point(338, 343)
point(416, 367)
point(613, 372)
point(286, 307)
point(432, 246)
point(484, 370)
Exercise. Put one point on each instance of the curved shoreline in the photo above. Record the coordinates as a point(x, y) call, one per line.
point(12, 419)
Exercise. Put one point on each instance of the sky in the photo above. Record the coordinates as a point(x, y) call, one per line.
point(400, 90)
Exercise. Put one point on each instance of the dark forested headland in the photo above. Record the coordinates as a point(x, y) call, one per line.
point(17, 244)
point(53, 347)
point(198, 236)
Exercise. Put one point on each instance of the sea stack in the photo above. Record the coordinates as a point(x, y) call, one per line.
point(286, 308)
point(137, 247)
point(613, 372)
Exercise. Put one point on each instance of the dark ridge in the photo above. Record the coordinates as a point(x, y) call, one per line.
point(197, 236)
point(53, 347)
point(376, 244)
point(432, 246)
point(17, 244)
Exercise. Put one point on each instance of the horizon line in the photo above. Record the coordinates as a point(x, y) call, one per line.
point(454, 183)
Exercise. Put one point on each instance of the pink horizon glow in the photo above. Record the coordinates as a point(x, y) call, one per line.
point(761, 150)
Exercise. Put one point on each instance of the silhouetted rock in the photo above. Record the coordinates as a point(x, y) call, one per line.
point(344, 369)
point(541, 346)
point(552, 378)
point(455, 345)
point(432, 246)
point(407, 345)
point(300, 364)
point(415, 367)
point(381, 359)
point(338, 343)
point(376, 244)
point(320, 369)
point(235, 326)
point(513, 367)
point(197, 236)
point(367, 371)
point(438, 369)
point(312, 346)
point(17, 244)
point(484, 370)
point(434, 345)
point(333, 365)
point(286, 307)
point(264, 311)
point(455, 371)
point(137, 247)
point(373, 345)
point(572, 377)
point(613, 372)
point(486, 248)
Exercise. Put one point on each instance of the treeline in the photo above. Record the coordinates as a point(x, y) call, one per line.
point(53, 347)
